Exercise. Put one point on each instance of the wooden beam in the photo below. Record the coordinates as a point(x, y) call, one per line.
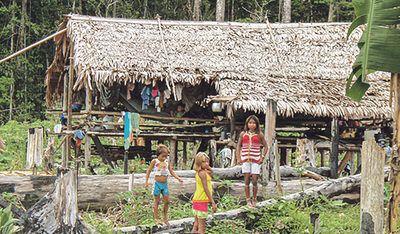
point(102, 151)
point(346, 159)
point(33, 45)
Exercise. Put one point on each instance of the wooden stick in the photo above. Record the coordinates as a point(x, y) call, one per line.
point(33, 45)
point(65, 137)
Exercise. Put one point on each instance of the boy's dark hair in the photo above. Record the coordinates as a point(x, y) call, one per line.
point(161, 149)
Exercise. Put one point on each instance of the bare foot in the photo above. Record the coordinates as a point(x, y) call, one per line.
point(159, 222)
point(253, 204)
point(166, 221)
point(249, 203)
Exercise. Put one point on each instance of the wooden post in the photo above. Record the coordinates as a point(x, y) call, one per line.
point(69, 107)
point(322, 152)
point(184, 154)
point(131, 182)
point(65, 107)
point(231, 116)
point(34, 154)
point(267, 168)
point(353, 167)
point(172, 151)
point(213, 154)
point(88, 152)
point(372, 187)
point(334, 148)
point(88, 141)
point(277, 172)
point(126, 155)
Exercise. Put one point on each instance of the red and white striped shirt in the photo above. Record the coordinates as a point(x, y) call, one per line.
point(251, 145)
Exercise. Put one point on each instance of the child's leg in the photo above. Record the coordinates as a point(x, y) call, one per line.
point(247, 187)
point(202, 225)
point(166, 203)
point(254, 180)
point(156, 202)
point(196, 224)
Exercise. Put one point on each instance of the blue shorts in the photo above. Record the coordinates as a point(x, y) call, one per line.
point(160, 188)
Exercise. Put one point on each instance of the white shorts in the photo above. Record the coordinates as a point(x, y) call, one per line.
point(252, 168)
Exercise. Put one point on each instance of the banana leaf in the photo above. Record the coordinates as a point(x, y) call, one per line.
point(379, 44)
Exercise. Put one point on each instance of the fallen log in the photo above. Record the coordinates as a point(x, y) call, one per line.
point(98, 192)
point(327, 188)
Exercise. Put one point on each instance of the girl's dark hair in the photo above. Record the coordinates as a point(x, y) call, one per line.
point(161, 149)
point(253, 117)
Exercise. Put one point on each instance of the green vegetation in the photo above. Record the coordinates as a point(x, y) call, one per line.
point(284, 217)
point(7, 221)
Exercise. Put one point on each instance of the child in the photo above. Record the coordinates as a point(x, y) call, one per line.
point(161, 167)
point(203, 193)
point(248, 154)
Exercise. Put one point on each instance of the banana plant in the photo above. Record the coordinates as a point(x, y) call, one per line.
point(379, 44)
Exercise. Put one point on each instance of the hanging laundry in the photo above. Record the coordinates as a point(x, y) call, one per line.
point(178, 91)
point(154, 91)
point(145, 94)
point(132, 122)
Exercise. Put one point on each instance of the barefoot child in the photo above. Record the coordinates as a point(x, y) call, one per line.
point(248, 153)
point(161, 167)
point(203, 193)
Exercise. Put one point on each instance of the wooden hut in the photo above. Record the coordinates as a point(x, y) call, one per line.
point(290, 75)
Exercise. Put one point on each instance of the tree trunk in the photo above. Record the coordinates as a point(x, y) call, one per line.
point(196, 11)
point(331, 13)
point(220, 10)
point(31, 188)
point(394, 198)
point(11, 52)
point(287, 10)
point(57, 212)
point(145, 9)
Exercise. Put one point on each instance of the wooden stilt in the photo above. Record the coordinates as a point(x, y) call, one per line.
point(334, 148)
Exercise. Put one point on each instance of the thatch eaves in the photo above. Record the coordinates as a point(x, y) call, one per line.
point(303, 67)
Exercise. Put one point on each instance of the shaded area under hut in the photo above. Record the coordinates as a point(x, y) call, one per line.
point(152, 80)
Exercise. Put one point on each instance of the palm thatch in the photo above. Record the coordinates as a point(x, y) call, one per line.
point(302, 67)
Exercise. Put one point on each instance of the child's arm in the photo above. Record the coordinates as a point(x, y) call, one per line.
point(174, 174)
point(209, 170)
point(265, 150)
point(203, 177)
point(238, 148)
point(148, 172)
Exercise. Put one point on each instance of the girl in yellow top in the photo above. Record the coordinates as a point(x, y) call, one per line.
point(203, 194)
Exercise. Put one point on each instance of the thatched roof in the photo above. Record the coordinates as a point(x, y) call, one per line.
point(301, 66)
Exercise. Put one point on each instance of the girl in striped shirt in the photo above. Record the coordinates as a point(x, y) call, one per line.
point(248, 154)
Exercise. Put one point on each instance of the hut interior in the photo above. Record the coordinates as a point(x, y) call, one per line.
point(153, 80)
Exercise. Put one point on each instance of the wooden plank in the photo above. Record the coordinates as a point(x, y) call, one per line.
point(102, 151)
point(372, 187)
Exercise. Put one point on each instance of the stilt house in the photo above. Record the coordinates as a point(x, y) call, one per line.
point(292, 76)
